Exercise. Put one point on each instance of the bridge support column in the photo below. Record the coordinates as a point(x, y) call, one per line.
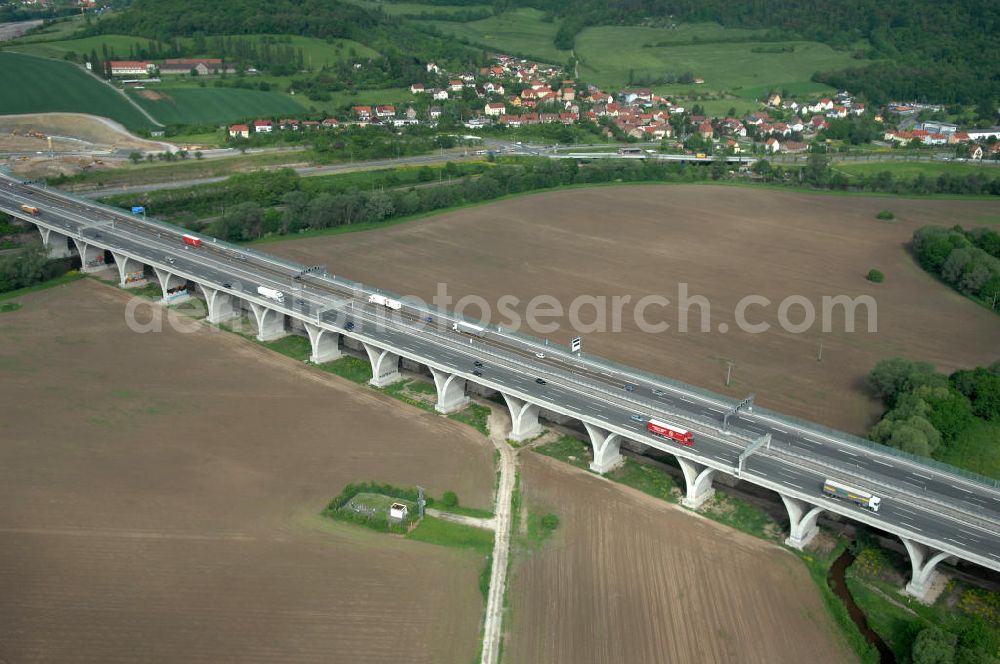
point(923, 560)
point(270, 322)
point(385, 366)
point(57, 244)
point(91, 257)
point(698, 480)
point(523, 418)
point(607, 449)
point(325, 344)
point(802, 518)
point(450, 391)
point(170, 281)
point(131, 273)
point(220, 305)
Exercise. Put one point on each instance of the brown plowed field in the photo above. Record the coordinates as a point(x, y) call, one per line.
point(159, 497)
point(627, 578)
point(726, 243)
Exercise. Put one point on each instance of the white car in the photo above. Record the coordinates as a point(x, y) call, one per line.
point(540, 356)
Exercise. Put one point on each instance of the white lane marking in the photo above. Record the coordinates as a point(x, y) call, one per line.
point(960, 488)
point(849, 453)
point(952, 539)
point(883, 463)
point(797, 486)
point(804, 441)
point(926, 477)
point(910, 525)
point(903, 509)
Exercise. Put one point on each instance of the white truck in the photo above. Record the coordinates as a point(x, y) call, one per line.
point(271, 294)
point(842, 491)
point(468, 328)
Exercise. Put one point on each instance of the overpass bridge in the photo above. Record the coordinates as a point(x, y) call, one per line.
point(938, 512)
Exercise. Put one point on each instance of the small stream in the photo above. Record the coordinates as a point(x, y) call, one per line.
point(838, 584)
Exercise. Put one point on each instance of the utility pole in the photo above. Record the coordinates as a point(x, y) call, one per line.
point(729, 371)
point(819, 358)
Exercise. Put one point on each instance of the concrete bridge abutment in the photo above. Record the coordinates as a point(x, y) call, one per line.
point(219, 304)
point(923, 560)
point(270, 322)
point(171, 286)
point(802, 517)
point(131, 272)
point(697, 481)
point(450, 391)
point(523, 418)
point(91, 256)
point(58, 245)
point(325, 344)
point(385, 366)
point(607, 449)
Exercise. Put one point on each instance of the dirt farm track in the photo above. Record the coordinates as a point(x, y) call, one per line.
point(725, 243)
point(159, 496)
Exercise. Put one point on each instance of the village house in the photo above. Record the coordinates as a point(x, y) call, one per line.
point(239, 131)
point(772, 145)
point(976, 151)
point(200, 66)
point(385, 111)
point(263, 126)
point(705, 130)
point(416, 88)
point(331, 123)
point(132, 67)
point(362, 112)
point(455, 85)
point(495, 108)
point(440, 95)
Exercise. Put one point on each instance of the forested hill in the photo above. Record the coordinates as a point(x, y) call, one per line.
point(184, 18)
point(167, 21)
point(946, 51)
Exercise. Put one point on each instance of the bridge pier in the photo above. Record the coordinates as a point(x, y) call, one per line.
point(325, 344)
point(270, 322)
point(802, 518)
point(220, 305)
point(131, 273)
point(385, 366)
point(607, 449)
point(168, 281)
point(523, 418)
point(923, 560)
point(57, 244)
point(698, 483)
point(450, 391)
point(91, 257)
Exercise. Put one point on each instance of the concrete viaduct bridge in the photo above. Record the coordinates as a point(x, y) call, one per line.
point(938, 512)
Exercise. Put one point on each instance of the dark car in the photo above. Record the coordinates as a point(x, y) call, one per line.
point(477, 363)
point(477, 372)
point(226, 284)
point(540, 381)
point(629, 387)
point(349, 325)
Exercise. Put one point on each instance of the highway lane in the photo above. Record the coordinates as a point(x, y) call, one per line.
point(615, 409)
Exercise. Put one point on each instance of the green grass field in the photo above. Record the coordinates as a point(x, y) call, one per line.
point(399, 8)
point(209, 105)
point(38, 85)
point(518, 31)
point(118, 44)
point(316, 52)
point(911, 169)
point(607, 54)
point(977, 449)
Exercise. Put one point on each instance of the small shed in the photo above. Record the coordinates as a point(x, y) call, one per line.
point(398, 511)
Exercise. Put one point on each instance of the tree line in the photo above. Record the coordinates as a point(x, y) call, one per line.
point(969, 261)
point(928, 411)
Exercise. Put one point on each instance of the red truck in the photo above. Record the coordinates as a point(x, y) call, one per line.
point(30, 209)
point(671, 432)
point(192, 240)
